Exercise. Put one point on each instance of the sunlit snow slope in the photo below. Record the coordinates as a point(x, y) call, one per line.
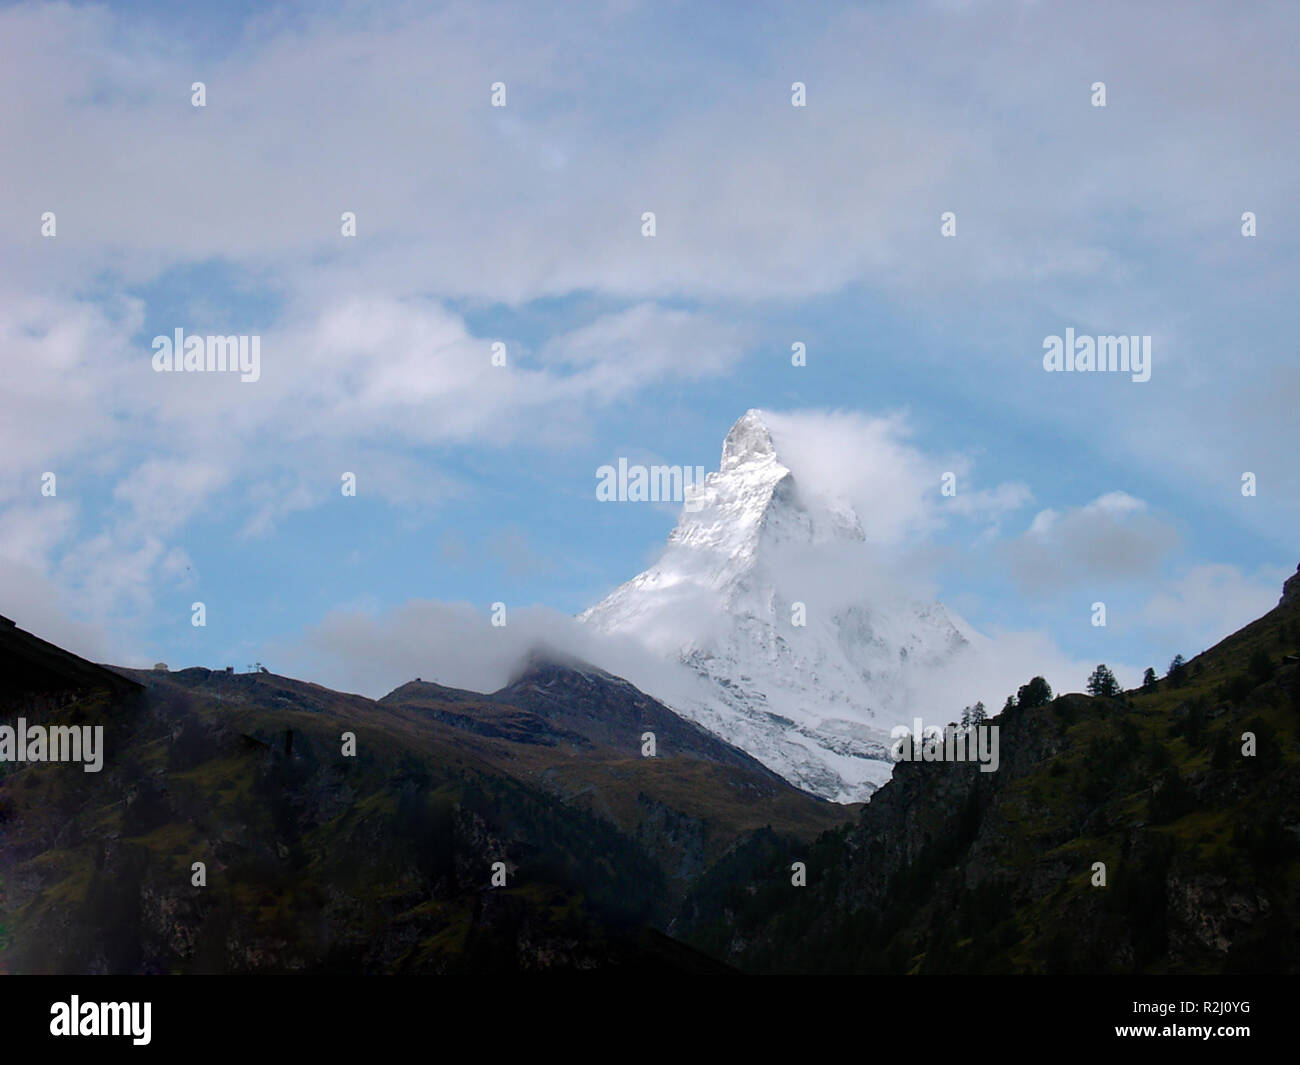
point(812, 701)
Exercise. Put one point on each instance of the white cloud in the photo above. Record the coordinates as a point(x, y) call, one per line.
point(373, 651)
point(911, 112)
point(39, 605)
point(1208, 602)
point(1114, 537)
point(365, 386)
point(387, 115)
point(1004, 659)
point(874, 465)
point(645, 343)
point(164, 493)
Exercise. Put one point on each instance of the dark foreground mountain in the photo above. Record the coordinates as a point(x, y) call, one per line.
point(681, 862)
point(382, 862)
point(953, 870)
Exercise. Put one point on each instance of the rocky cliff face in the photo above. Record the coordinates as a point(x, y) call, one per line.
point(1291, 590)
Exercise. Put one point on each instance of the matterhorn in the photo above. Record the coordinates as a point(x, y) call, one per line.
point(804, 653)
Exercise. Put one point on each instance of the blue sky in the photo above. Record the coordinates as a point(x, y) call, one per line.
point(775, 224)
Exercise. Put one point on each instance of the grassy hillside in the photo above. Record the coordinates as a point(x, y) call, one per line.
point(952, 870)
point(380, 862)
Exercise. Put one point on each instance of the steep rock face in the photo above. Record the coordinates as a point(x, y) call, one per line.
point(754, 593)
point(1291, 589)
point(608, 710)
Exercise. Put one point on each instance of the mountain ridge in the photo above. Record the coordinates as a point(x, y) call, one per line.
point(316, 861)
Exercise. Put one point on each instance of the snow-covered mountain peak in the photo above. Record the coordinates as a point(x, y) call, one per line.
point(748, 443)
point(752, 506)
point(770, 594)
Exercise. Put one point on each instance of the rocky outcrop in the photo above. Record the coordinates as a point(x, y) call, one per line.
point(1291, 589)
